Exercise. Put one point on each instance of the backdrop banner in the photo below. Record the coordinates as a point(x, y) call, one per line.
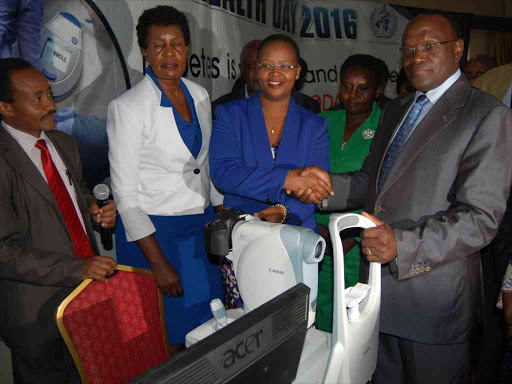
point(88, 50)
point(327, 32)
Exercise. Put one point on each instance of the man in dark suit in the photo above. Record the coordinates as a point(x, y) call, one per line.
point(436, 180)
point(247, 83)
point(47, 245)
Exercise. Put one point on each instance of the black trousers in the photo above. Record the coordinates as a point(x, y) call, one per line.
point(403, 361)
point(49, 363)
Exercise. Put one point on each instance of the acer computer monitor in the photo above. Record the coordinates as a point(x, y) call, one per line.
point(263, 346)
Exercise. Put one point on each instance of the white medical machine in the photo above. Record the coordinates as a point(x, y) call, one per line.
point(271, 258)
point(61, 54)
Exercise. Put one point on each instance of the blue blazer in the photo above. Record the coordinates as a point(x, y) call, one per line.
point(241, 162)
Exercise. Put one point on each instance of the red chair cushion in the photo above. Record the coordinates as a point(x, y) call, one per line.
point(116, 327)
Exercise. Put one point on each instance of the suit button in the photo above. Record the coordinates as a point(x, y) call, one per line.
point(196, 171)
point(422, 269)
point(377, 209)
point(417, 270)
point(411, 271)
point(428, 269)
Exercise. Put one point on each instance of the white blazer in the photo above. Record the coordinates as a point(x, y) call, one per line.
point(152, 170)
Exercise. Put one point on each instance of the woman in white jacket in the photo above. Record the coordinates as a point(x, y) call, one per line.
point(159, 134)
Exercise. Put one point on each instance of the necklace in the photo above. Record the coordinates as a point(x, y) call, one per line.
point(273, 130)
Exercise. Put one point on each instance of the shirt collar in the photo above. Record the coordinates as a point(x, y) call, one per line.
point(164, 100)
point(435, 94)
point(26, 140)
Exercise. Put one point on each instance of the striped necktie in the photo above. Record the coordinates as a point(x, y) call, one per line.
point(400, 139)
point(81, 243)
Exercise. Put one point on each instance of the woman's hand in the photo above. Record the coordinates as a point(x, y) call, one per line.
point(271, 214)
point(166, 277)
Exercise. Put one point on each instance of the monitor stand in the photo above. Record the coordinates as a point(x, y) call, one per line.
point(315, 354)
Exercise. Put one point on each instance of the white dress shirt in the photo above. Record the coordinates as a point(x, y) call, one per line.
point(433, 96)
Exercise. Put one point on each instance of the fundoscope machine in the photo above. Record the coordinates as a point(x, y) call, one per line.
point(268, 259)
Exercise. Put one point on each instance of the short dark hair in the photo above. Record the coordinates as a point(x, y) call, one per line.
point(448, 16)
point(161, 15)
point(363, 61)
point(283, 38)
point(7, 67)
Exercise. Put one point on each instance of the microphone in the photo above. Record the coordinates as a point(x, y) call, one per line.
point(101, 193)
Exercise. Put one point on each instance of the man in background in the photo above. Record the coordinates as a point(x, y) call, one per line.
point(497, 82)
point(246, 84)
point(477, 66)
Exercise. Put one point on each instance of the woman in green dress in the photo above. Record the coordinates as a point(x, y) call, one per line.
point(351, 131)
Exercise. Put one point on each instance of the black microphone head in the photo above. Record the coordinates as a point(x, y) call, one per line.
point(101, 192)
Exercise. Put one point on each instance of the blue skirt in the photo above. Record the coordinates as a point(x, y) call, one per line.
point(181, 239)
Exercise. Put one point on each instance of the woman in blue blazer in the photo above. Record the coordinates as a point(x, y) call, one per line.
point(258, 143)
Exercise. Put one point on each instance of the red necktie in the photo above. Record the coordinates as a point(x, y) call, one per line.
point(79, 238)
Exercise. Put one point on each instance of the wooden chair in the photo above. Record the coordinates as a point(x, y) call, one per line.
point(115, 331)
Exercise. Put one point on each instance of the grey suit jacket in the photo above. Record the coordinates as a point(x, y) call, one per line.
point(38, 268)
point(444, 198)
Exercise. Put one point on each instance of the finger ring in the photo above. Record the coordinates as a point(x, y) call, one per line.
point(369, 252)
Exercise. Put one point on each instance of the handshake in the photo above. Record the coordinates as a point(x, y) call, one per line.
point(309, 184)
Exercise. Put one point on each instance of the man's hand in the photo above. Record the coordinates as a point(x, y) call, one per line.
point(379, 243)
point(218, 208)
point(98, 267)
point(271, 214)
point(105, 216)
point(309, 184)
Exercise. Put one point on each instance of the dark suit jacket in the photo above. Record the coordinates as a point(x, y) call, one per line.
point(444, 197)
point(241, 161)
point(38, 268)
point(238, 92)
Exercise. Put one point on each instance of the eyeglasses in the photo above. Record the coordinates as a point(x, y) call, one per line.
point(249, 65)
point(282, 67)
point(426, 48)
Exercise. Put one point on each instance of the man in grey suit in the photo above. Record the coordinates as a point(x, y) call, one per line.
point(42, 255)
point(436, 180)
